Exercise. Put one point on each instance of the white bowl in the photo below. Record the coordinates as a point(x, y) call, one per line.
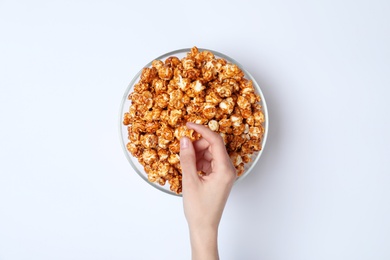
point(125, 104)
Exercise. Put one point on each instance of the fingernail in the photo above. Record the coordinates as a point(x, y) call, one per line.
point(184, 142)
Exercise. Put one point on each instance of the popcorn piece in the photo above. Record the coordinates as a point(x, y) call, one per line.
point(174, 146)
point(184, 131)
point(126, 118)
point(157, 64)
point(246, 129)
point(231, 71)
point(204, 56)
point(213, 98)
point(209, 110)
point(225, 126)
point(175, 99)
point(256, 107)
point(251, 97)
point(238, 130)
point(153, 175)
point(209, 72)
point(198, 100)
point(185, 99)
point(133, 149)
point(134, 137)
point(197, 86)
point(196, 119)
point(165, 72)
point(255, 132)
point(236, 120)
point(227, 105)
point(138, 126)
point(193, 52)
point(144, 101)
point(232, 84)
point(177, 166)
point(250, 120)
point(163, 154)
point(160, 86)
point(243, 103)
point(164, 116)
point(191, 73)
point(136, 98)
point(236, 142)
point(220, 114)
point(240, 169)
point(163, 169)
point(225, 90)
point(175, 184)
point(246, 158)
point(149, 156)
point(147, 116)
point(151, 127)
point(162, 100)
point(163, 143)
point(149, 140)
point(132, 111)
point(161, 181)
point(156, 112)
point(245, 113)
point(183, 83)
point(246, 86)
point(251, 146)
point(194, 108)
point(236, 158)
point(180, 131)
point(213, 125)
point(188, 63)
point(166, 132)
point(172, 62)
point(259, 118)
point(141, 87)
point(174, 116)
point(174, 159)
point(148, 74)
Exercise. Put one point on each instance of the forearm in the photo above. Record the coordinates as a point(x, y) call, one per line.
point(204, 243)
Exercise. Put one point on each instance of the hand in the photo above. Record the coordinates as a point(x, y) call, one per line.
point(204, 197)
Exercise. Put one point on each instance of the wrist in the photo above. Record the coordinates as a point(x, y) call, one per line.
point(204, 242)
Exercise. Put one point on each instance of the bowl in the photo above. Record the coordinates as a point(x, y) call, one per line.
point(125, 104)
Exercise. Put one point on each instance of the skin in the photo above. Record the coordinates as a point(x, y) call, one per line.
point(204, 197)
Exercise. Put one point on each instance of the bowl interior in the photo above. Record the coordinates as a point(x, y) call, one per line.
point(125, 104)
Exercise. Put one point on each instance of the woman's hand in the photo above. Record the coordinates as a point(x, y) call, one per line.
point(204, 197)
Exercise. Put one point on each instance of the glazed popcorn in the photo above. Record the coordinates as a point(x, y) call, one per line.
point(199, 88)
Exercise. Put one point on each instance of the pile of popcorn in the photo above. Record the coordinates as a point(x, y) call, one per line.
point(198, 88)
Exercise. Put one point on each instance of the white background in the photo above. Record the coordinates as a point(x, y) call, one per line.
point(320, 191)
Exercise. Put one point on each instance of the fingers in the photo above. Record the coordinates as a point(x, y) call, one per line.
point(210, 136)
point(201, 144)
point(204, 166)
point(188, 162)
point(205, 154)
point(213, 139)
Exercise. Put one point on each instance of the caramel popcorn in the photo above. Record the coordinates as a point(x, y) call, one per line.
point(213, 125)
point(198, 88)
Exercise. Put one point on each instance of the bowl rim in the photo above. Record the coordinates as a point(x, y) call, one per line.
point(186, 50)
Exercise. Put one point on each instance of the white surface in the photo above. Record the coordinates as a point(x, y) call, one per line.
point(321, 190)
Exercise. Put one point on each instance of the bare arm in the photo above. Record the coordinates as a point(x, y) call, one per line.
point(204, 197)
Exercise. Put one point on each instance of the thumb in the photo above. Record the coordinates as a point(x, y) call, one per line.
point(188, 161)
